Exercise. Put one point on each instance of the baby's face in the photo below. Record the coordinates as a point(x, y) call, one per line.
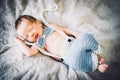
point(30, 31)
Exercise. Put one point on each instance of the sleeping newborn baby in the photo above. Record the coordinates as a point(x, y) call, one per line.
point(74, 49)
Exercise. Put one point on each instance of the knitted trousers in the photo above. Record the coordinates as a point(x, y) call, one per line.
point(79, 55)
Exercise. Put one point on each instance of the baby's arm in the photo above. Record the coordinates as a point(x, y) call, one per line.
point(66, 30)
point(28, 51)
point(71, 32)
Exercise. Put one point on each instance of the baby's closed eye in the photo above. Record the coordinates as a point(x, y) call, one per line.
point(30, 29)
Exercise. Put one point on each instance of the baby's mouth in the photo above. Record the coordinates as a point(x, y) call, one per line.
point(36, 36)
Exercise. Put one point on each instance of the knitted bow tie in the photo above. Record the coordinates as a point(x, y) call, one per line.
point(41, 41)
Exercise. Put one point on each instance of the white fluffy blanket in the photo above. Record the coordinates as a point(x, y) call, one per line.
point(100, 17)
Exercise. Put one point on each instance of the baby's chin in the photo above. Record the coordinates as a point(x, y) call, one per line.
point(32, 41)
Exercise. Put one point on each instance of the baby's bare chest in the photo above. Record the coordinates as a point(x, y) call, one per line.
point(54, 42)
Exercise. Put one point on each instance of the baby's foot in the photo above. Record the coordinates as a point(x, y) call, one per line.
point(101, 60)
point(102, 67)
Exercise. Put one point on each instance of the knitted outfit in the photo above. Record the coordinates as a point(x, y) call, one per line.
point(78, 54)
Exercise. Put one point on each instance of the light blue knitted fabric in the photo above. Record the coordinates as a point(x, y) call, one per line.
point(79, 55)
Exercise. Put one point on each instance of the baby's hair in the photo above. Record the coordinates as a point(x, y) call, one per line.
point(26, 17)
point(21, 18)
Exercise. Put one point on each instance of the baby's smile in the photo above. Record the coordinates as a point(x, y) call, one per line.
point(36, 36)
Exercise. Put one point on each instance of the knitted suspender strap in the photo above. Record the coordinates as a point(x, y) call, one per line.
point(42, 15)
point(42, 51)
